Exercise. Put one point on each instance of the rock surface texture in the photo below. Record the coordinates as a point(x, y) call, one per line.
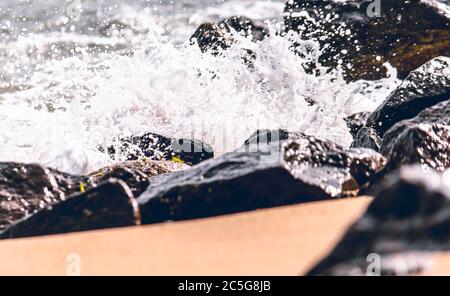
point(409, 217)
point(362, 37)
point(423, 88)
point(111, 204)
point(26, 189)
point(412, 124)
point(288, 172)
point(425, 139)
point(213, 38)
point(157, 147)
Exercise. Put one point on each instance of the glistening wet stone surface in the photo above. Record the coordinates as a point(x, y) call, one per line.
point(110, 204)
point(361, 39)
point(301, 170)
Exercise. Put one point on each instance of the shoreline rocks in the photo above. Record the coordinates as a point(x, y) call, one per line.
point(410, 214)
point(424, 139)
point(110, 204)
point(157, 147)
point(412, 125)
point(360, 39)
point(294, 171)
point(424, 87)
point(26, 189)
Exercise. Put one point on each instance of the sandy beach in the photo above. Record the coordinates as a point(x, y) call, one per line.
point(281, 241)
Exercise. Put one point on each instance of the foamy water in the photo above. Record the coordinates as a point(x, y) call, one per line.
point(68, 85)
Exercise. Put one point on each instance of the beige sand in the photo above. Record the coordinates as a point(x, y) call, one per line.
point(281, 241)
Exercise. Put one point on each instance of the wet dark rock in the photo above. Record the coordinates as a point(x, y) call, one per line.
point(262, 139)
point(27, 188)
point(136, 174)
point(424, 139)
point(158, 147)
point(108, 205)
point(423, 88)
point(210, 37)
point(410, 214)
point(367, 138)
point(290, 172)
point(356, 122)
point(149, 168)
point(245, 27)
point(213, 38)
point(406, 34)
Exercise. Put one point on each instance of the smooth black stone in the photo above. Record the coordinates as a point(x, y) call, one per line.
point(406, 34)
point(158, 147)
point(111, 204)
point(423, 88)
point(410, 213)
point(295, 171)
point(424, 139)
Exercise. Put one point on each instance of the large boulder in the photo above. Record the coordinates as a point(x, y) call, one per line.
point(111, 204)
point(423, 88)
point(213, 38)
point(292, 171)
point(361, 38)
point(424, 139)
point(409, 215)
point(27, 188)
point(157, 147)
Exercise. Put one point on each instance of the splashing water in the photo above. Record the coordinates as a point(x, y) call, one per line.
point(63, 94)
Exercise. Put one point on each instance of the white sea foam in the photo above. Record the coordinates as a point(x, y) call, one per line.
point(62, 109)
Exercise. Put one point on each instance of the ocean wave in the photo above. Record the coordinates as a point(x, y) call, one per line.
point(58, 109)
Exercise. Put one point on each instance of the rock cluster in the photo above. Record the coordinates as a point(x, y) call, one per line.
point(286, 172)
point(110, 204)
point(31, 194)
point(400, 152)
point(289, 169)
point(412, 125)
